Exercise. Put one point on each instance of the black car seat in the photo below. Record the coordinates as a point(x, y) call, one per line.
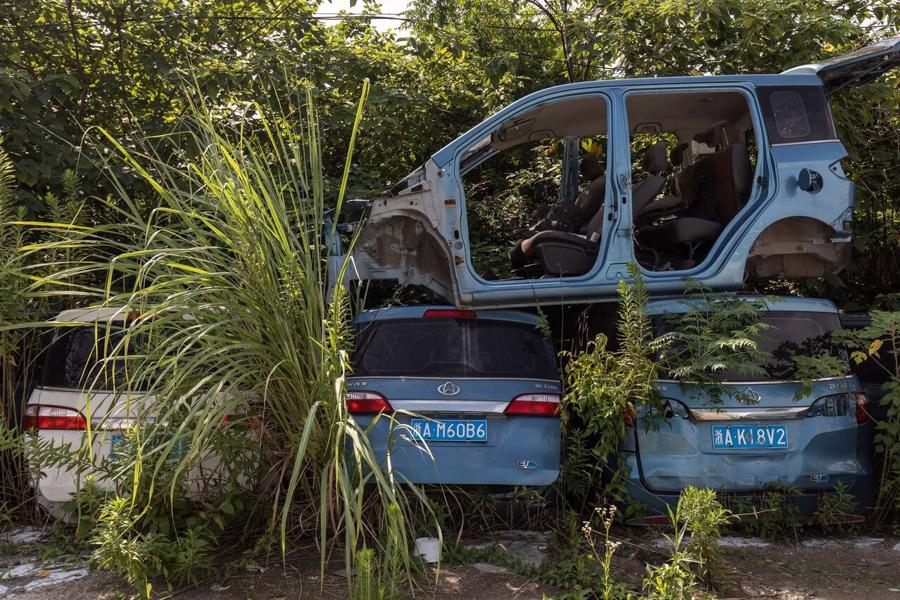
point(655, 162)
point(566, 241)
point(561, 254)
point(672, 202)
point(719, 185)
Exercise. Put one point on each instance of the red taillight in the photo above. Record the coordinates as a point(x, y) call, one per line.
point(449, 313)
point(656, 521)
point(367, 403)
point(39, 416)
point(862, 408)
point(542, 405)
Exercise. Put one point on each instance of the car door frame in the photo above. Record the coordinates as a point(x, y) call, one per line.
point(724, 252)
point(527, 291)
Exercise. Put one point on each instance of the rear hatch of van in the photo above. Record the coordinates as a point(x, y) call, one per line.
point(762, 430)
point(473, 396)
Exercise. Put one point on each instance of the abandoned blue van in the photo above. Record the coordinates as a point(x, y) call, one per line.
point(715, 179)
point(764, 435)
point(457, 396)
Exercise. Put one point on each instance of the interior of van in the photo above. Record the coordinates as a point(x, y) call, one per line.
point(694, 156)
point(536, 186)
point(535, 189)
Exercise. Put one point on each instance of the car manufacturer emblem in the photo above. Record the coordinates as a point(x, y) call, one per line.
point(751, 396)
point(448, 389)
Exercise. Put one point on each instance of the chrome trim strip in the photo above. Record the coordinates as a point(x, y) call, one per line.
point(455, 406)
point(760, 382)
point(748, 414)
point(829, 141)
point(510, 379)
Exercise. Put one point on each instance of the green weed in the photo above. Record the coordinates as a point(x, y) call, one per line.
point(704, 517)
point(674, 579)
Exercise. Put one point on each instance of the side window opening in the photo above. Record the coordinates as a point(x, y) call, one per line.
point(535, 192)
point(692, 172)
point(796, 114)
point(789, 114)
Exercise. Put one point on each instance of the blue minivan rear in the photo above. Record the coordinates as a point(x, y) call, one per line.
point(764, 432)
point(457, 397)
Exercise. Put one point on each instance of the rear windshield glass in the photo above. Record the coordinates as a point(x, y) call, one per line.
point(80, 358)
point(796, 114)
point(789, 334)
point(442, 347)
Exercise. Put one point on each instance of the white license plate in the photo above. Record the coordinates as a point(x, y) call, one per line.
point(749, 437)
point(451, 430)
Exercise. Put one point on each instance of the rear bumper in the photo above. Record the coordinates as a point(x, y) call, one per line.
point(520, 451)
point(56, 485)
point(859, 482)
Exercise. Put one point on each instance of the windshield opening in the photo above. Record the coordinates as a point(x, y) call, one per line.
point(88, 357)
point(452, 348)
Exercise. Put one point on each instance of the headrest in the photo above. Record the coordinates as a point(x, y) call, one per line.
point(677, 155)
point(591, 168)
point(710, 137)
point(655, 159)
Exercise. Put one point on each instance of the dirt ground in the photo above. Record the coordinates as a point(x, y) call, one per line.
point(842, 569)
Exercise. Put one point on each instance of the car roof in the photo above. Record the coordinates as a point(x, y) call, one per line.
point(92, 315)
point(682, 304)
point(442, 156)
point(418, 312)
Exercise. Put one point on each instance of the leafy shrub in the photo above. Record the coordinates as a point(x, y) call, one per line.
point(878, 346)
point(674, 579)
point(704, 517)
point(773, 513)
point(716, 334)
point(603, 389)
point(834, 506)
point(365, 586)
point(121, 548)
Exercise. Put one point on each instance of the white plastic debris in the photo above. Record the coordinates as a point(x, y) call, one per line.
point(22, 535)
point(867, 542)
point(429, 549)
point(56, 576)
point(733, 541)
point(23, 570)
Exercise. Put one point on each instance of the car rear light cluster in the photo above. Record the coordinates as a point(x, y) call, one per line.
point(838, 405)
point(367, 403)
point(656, 520)
point(541, 405)
point(862, 407)
point(44, 417)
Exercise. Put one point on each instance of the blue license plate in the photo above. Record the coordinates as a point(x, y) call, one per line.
point(451, 430)
point(749, 437)
point(115, 440)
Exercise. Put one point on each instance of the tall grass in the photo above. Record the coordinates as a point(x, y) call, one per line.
point(20, 346)
point(229, 276)
point(12, 309)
